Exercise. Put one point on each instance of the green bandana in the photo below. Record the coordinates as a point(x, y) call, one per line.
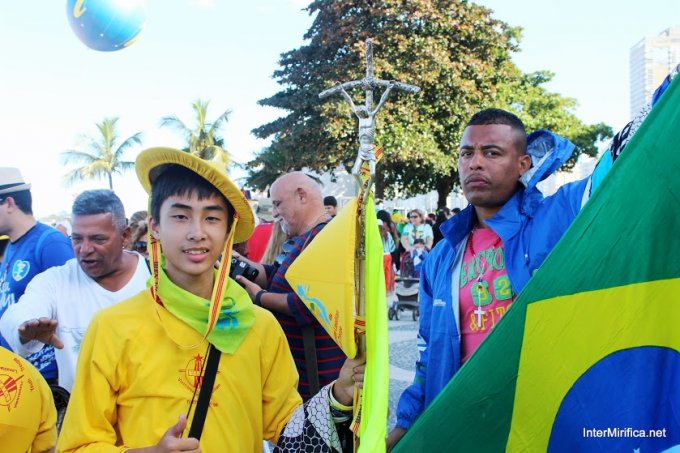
point(235, 319)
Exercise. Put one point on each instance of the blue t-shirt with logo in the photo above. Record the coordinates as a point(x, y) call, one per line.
point(37, 250)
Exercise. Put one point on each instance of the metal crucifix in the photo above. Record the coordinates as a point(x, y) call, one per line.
point(364, 176)
point(366, 113)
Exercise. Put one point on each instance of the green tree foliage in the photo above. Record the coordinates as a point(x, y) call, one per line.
point(203, 140)
point(455, 51)
point(540, 109)
point(102, 156)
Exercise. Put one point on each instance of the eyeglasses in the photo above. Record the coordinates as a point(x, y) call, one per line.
point(414, 216)
point(140, 246)
point(286, 248)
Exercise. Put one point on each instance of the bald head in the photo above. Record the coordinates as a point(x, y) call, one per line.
point(297, 180)
point(297, 202)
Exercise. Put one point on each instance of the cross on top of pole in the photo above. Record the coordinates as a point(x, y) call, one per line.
point(366, 113)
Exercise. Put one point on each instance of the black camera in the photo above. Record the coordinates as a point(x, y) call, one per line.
point(239, 267)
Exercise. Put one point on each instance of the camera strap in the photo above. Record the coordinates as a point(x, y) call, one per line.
point(207, 384)
point(309, 343)
point(61, 397)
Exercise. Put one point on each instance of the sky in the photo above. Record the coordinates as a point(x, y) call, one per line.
point(53, 89)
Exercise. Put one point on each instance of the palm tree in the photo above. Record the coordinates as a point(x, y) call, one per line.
point(203, 140)
point(102, 156)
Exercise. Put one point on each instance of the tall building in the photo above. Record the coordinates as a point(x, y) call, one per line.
point(651, 59)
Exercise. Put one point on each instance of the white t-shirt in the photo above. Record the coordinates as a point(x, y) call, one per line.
point(70, 296)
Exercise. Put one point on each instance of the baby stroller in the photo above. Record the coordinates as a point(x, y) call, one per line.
point(406, 290)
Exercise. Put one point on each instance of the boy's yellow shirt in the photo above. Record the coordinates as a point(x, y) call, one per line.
point(137, 371)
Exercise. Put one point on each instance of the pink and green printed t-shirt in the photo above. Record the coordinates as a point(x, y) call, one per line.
point(485, 291)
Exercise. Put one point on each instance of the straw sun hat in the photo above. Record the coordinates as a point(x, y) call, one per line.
point(11, 180)
point(153, 161)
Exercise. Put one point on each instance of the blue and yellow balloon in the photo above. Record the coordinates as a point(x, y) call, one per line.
point(107, 25)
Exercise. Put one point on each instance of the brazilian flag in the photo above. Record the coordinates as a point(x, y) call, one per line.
point(588, 358)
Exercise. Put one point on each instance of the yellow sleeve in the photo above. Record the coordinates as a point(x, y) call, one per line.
point(280, 397)
point(46, 437)
point(91, 414)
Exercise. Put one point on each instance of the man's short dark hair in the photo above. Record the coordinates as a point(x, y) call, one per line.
point(499, 116)
point(176, 180)
point(22, 199)
point(385, 217)
point(443, 214)
point(330, 201)
point(100, 201)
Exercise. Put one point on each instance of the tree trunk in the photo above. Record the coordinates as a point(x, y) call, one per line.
point(444, 188)
point(379, 185)
point(110, 181)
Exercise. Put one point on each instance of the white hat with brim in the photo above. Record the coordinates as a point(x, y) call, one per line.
point(152, 162)
point(11, 180)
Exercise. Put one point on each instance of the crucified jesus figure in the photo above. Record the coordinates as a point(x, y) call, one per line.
point(366, 113)
point(366, 126)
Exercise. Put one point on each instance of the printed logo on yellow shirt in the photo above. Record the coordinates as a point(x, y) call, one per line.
point(11, 385)
point(191, 376)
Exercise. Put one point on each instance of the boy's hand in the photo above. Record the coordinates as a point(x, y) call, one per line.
point(171, 441)
point(351, 375)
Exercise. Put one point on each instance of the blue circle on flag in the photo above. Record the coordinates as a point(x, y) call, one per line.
point(629, 401)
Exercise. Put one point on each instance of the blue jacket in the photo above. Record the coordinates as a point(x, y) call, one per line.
point(529, 225)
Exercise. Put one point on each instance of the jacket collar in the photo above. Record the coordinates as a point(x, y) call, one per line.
point(506, 223)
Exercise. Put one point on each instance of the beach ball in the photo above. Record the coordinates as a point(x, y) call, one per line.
point(106, 25)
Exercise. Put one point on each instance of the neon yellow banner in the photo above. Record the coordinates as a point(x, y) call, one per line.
point(375, 396)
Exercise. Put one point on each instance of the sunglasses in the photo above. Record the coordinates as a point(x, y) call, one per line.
point(140, 246)
point(415, 216)
point(286, 248)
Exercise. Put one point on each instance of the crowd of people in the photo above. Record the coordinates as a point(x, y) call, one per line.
point(159, 348)
point(121, 299)
point(99, 260)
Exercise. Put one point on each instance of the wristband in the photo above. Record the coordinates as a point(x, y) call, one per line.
point(335, 404)
point(258, 296)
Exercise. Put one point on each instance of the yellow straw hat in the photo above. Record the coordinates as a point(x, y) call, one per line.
point(153, 161)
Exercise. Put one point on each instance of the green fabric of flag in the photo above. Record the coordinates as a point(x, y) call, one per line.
point(588, 357)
